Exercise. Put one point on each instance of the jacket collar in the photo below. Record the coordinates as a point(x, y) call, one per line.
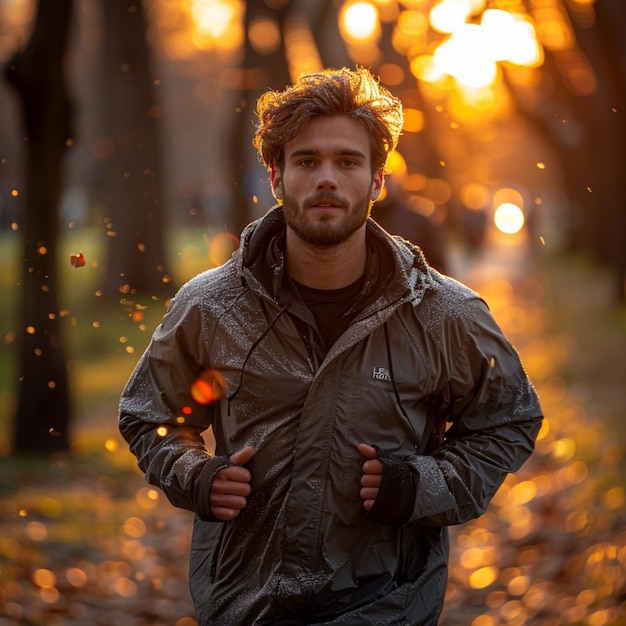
point(396, 268)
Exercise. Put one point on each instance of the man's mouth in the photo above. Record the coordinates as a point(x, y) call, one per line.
point(325, 203)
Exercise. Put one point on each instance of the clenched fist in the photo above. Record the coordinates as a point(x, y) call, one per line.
point(231, 486)
point(371, 477)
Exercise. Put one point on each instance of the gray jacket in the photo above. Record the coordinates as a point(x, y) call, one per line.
point(422, 372)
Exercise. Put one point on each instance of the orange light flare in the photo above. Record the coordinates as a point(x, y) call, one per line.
point(466, 56)
point(410, 33)
point(147, 498)
point(359, 21)
point(508, 213)
point(359, 25)
point(471, 52)
point(448, 16)
point(208, 387)
point(185, 27)
point(137, 316)
point(218, 23)
point(508, 218)
point(264, 35)
point(221, 247)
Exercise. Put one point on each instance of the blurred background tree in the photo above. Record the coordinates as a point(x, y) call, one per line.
point(36, 73)
point(136, 262)
point(132, 170)
point(514, 125)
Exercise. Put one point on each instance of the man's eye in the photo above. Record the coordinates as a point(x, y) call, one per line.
point(306, 163)
point(349, 163)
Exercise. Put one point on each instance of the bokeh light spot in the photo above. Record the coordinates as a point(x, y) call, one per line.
point(208, 387)
point(359, 21)
point(221, 247)
point(483, 577)
point(509, 218)
point(134, 527)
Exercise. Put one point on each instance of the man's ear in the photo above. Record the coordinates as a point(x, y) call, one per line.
point(377, 185)
point(276, 182)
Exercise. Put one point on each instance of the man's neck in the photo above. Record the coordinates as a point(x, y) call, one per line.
point(330, 267)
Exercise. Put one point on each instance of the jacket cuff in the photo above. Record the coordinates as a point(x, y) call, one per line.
point(396, 496)
point(200, 497)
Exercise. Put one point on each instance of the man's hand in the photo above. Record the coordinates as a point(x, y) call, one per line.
point(231, 486)
point(372, 475)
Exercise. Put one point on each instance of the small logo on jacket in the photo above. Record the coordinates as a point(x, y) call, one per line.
point(381, 373)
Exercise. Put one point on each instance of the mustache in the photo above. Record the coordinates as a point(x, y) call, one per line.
point(325, 197)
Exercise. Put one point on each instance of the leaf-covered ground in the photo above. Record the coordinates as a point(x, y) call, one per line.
point(85, 541)
point(551, 549)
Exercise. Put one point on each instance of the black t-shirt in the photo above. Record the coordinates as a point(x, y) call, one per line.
point(331, 307)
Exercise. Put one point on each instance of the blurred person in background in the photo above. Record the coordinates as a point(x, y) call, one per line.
point(362, 401)
point(395, 213)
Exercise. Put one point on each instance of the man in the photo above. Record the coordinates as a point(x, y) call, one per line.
point(336, 357)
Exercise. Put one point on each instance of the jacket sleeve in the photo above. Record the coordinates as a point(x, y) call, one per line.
point(159, 418)
point(495, 418)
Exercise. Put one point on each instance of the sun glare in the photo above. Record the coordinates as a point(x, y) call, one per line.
point(466, 56)
point(359, 21)
point(523, 47)
point(471, 52)
point(448, 16)
point(217, 22)
point(498, 26)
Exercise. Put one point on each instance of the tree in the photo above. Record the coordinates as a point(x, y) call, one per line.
point(36, 72)
point(605, 218)
point(136, 261)
point(258, 70)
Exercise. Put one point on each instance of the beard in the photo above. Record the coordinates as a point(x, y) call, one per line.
point(325, 230)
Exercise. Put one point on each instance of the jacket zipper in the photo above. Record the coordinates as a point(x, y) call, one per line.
point(309, 343)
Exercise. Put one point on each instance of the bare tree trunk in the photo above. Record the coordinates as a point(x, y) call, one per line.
point(606, 221)
point(43, 413)
point(136, 261)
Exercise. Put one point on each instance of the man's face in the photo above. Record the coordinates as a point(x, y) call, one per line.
point(326, 183)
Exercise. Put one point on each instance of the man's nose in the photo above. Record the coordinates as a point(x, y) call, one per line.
point(326, 177)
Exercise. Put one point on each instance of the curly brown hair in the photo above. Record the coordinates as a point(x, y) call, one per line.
point(356, 93)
